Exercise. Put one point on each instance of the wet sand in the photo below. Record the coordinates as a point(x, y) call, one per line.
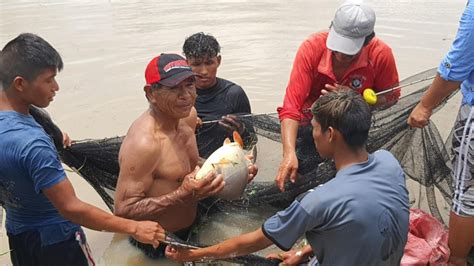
point(106, 45)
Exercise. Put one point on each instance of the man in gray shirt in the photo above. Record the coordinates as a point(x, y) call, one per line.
point(360, 217)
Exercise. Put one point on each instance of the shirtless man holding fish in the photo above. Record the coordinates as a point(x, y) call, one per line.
point(159, 156)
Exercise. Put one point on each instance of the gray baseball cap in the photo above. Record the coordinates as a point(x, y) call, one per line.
point(352, 23)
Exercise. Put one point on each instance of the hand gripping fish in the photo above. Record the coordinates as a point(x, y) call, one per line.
point(230, 161)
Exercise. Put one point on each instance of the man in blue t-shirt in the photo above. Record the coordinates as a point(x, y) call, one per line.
point(360, 217)
point(457, 70)
point(43, 214)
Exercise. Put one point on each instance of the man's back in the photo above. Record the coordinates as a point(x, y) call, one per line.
point(360, 216)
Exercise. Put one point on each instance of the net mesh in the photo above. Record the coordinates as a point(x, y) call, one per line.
point(422, 153)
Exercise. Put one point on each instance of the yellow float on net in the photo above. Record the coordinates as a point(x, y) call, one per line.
point(369, 96)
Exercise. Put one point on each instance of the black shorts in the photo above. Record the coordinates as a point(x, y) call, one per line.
point(159, 252)
point(27, 250)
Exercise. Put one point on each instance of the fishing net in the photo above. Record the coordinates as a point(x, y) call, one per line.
point(422, 153)
point(210, 135)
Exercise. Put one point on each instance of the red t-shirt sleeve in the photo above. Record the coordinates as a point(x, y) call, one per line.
point(300, 84)
point(386, 74)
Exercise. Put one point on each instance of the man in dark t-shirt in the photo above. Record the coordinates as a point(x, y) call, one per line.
point(217, 98)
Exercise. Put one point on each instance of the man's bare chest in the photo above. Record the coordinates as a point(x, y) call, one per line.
point(175, 160)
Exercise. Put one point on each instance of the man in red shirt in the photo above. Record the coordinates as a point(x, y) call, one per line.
point(348, 56)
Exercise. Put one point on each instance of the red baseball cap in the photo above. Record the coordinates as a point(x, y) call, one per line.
point(168, 70)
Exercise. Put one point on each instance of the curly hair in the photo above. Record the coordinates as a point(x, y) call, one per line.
point(346, 111)
point(200, 45)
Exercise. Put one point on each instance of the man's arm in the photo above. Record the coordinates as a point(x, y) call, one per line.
point(297, 91)
point(289, 165)
point(283, 229)
point(294, 256)
point(41, 162)
point(301, 81)
point(455, 67)
point(234, 247)
point(63, 197)
point(436, 93)
point(137, 161)
point(135, 204)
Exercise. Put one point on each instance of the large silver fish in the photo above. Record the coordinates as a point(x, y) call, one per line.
point(230, 161)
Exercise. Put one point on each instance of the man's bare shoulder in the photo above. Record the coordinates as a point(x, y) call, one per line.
point(140, 138)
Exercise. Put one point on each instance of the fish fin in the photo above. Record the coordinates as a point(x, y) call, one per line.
point(227, 141)
point(238, 138)
point(225, 161)
point(222, 162)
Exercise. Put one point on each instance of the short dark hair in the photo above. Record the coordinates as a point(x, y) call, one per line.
point(27, 56)
point(200, 45)
point(346, 111)
point(369, 38)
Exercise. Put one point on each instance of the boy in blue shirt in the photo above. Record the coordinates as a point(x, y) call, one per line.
point(43, 214)
point(360, 217)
